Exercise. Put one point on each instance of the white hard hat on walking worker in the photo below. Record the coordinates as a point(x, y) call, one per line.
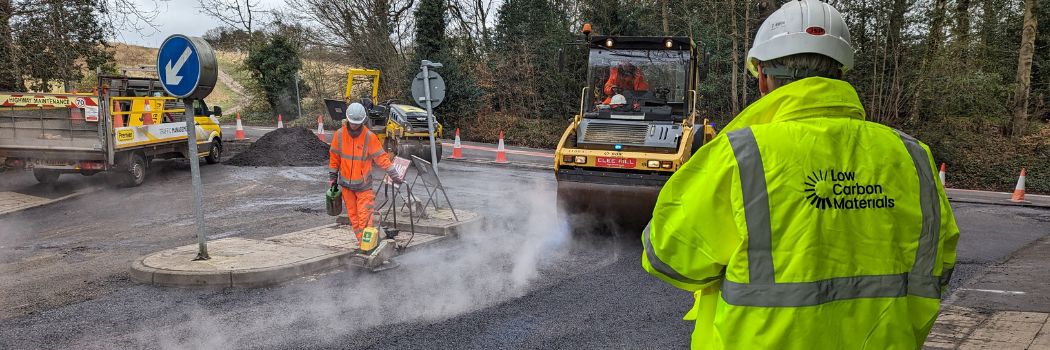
point(803, 26)
point(355, 113)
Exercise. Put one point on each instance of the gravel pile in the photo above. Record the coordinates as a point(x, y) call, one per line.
point(296, 146)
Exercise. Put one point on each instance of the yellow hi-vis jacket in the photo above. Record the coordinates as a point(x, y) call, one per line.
point(803, 226)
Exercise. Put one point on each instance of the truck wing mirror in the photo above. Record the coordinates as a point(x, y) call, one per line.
point(217, 111)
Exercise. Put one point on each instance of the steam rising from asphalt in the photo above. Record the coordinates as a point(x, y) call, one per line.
point(493, 263)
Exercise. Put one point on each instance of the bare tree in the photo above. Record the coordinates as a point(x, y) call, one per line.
point(131, 15)
point(371, 33)
point(473, 19)
point(240, 14)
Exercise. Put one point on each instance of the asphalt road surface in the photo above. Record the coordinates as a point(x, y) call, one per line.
point(519, 282)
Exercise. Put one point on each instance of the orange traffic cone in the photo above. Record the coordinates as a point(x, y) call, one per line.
point(147, 117)
point(239, 133)
point(457, 148)
point(118, 119)
point(941, 175)
point(501, 153)
point(280, 121)
point(320, 129)
point(1019, 190)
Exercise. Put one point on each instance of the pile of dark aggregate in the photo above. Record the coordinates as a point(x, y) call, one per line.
point(296, 146)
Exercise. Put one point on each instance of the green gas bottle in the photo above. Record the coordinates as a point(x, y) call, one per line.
point(333, 201)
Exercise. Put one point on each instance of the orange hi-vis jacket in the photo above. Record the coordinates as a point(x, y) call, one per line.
point(352, 158)
point(617, 79)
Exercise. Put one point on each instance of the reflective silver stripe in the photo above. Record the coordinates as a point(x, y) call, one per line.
point(815, 293)
point(764, 291)
point(375, 154)
point(337, 150)
point(342, 155)
point(926, 254)
point(359, 185)
point(756, 205)
point(663, 268)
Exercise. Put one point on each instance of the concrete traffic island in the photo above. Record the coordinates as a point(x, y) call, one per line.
point(242, 262)
point(438, 221)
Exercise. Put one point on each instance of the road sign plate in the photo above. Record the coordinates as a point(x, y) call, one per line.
point(437, 90)
point(186, 66)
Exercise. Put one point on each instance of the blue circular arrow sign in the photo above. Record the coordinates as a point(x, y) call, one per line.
point(186, 66)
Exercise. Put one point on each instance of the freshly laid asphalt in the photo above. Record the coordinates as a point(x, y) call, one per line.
point(520, 282)
point(500, 288)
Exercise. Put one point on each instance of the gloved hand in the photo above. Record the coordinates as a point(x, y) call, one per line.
point(332, 177)
point(394, 176)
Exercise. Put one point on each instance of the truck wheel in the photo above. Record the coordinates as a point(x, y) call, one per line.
point(46, 176)
point(215, 153)
point(134, 171)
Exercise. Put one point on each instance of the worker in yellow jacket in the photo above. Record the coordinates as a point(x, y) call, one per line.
point(803, 226)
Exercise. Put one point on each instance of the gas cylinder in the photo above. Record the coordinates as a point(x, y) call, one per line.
point(370, 239)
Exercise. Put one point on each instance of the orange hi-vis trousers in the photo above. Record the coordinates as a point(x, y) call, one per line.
point(359, 207)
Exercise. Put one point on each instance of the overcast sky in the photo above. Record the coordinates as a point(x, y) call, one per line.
point(177, 17)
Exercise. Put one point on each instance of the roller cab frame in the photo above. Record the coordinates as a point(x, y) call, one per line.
point(613, 159)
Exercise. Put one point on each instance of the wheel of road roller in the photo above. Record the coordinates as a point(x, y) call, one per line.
point(605, 210)
point(406, 148)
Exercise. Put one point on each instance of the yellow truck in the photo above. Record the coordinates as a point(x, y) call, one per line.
point(402, 128)
point(637, 124)
point(121, 127)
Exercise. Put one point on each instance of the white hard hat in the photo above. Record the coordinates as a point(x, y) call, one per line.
point(803, 26)
point(618, 100)
point(355, 113)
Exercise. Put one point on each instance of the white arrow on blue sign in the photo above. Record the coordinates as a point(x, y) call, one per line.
point(186, 66)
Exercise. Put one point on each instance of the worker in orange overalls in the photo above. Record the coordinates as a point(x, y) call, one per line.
point(354, 149)
point(624, 77)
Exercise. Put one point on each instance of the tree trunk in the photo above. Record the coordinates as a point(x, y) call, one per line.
point(1024, 68)
point(933, 44)
point(989, 29)
point(745, 48)
point(936, 35)
point(667, 22)
point(10, 75)
point(736, 60)
point(961, 31)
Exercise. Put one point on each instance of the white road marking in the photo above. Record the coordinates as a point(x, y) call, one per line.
point(1010, 292)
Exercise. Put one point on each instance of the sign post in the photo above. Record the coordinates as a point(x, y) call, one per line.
point(188, 70)
point(428, 90)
